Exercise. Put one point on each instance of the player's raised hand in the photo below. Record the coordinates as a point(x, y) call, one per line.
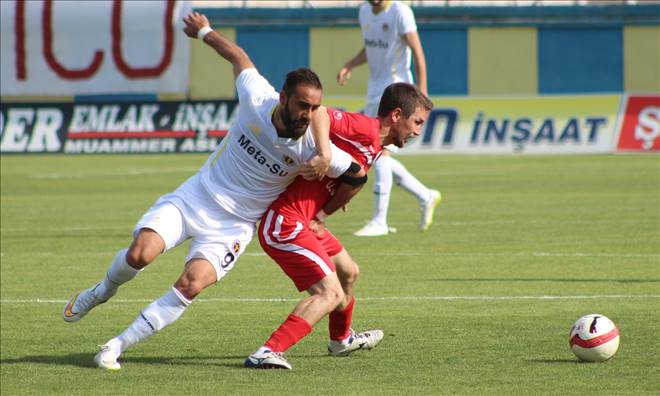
point(343, 75)
point(194, 22)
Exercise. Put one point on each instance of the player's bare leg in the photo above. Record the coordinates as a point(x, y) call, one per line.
point(343, 340)
point(126, 264)
point(324, 297)
point(198, 275)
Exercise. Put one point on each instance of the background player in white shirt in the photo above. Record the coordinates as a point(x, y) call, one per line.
point(390, 36)
point(217, 208)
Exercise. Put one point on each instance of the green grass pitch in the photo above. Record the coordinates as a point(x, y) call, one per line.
point(480, 304)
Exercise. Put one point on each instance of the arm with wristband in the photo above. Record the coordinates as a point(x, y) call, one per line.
point(350, 183)
point(197, 26)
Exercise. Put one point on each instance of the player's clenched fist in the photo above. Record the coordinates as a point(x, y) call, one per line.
point(194, 22)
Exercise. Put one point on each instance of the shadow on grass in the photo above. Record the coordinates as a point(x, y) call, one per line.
point(556, 361)
point(545, 280)
point(73, 359)
point(86, 360)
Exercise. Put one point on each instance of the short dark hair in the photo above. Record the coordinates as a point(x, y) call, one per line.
point(405, 96)
point(302, 75)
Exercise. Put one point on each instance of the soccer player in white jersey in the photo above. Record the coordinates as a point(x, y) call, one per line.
point(217, 208)
point(390, 36)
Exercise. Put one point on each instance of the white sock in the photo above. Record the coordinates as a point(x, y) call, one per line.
point(155, 317)
point(118, 273)
point(382, 188)
point(409, 182)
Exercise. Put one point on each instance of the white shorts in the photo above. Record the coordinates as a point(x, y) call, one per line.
point(191, 213)
point(371, 109)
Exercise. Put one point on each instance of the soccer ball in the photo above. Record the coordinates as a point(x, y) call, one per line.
point(594, 338)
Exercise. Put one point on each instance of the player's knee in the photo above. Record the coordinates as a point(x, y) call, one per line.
point(138, 257)
point(197, 276)
point(189, 287)
point(334, 296)
point(144, 249)
point(350, 275)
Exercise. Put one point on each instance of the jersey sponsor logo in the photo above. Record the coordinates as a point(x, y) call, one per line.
point(376, 43)
point(254, 152)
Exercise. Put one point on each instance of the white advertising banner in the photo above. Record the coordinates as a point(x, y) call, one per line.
point(505, 125)
point(93, 47)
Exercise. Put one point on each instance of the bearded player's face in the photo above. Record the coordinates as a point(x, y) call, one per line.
point(297, 109)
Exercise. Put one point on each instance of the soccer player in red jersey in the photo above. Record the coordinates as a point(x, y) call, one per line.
point(291, 231)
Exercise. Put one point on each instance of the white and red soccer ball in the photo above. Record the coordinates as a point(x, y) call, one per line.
point(594, 338)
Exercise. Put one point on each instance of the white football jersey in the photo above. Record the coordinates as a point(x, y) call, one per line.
point(253, 165)
point(388, 55)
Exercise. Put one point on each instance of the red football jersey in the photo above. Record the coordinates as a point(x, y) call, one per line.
point(354, 133)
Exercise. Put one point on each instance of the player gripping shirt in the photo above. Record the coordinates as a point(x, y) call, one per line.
point(251, 167)
point(284, 231)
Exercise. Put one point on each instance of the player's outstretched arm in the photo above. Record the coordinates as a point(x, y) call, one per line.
point(350, 183)
point(318, 166)
point(197, 26)
point(415, 44)
point(345, 72)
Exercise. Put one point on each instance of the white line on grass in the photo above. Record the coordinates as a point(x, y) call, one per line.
point(380, 254)
point(127, 172)
point(426, 253)
point(386, 298)
point(128, 228)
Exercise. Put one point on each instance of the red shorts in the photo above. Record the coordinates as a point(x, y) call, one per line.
point(303, 255)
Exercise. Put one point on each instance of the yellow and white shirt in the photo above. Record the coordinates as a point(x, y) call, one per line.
point(253, 165)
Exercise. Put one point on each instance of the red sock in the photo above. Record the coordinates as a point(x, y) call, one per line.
point(288, 334)
point(340, 322)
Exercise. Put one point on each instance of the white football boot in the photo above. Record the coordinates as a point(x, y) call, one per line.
point(80, 304)
point(107, 358)
point(428, 209)
point(356, 341)
point(267, 360)
point(374, 229)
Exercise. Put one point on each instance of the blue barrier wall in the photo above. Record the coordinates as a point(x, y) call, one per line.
point(564, 50)
point(282, 51)
point(575, 60)
point(449, 63)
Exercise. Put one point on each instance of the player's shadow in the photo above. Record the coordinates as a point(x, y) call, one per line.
point(73, 359)
point(222, 361)
point(86, 360)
